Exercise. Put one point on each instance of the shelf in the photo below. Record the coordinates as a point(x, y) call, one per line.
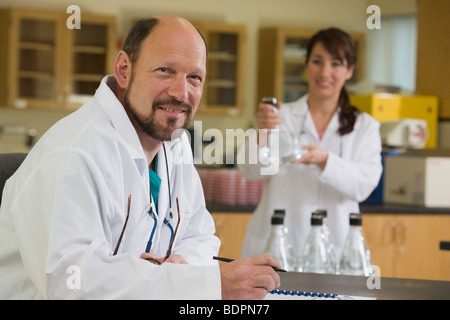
point(295, 87)
point(291, 60)
point(221, 56)
point(221, 83)
point(36, 45)
point(35, 75)
point(87, 77)
point(89, 49)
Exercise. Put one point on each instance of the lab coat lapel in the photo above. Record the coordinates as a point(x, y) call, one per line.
point(309, 128)
point(332, 127)
point(165, 197)
point(331, 139)
point(164, 167)
point(107, 100)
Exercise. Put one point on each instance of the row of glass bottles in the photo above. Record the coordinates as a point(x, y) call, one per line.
point(278, 245)
point(355, 258)
point(318, 255)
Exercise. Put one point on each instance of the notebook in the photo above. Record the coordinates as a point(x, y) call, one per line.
point(306, 295)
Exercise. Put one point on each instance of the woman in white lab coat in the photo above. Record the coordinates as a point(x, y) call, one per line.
point(342, 163)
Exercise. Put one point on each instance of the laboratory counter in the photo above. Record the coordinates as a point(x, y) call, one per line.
point(367, 287)
point(405, 241)
point(364, 208)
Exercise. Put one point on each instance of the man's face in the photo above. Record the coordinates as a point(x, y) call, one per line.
point(166, 82)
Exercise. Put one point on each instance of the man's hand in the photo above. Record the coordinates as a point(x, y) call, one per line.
point(249, 278)
point(153, 258)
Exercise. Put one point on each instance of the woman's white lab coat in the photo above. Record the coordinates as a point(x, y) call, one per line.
point(64, 209)
point(352, 171)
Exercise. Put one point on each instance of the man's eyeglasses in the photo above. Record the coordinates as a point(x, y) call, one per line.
point(172, 238)
point(169, 251)
point(124, 226)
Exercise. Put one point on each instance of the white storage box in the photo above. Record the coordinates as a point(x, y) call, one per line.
point(418, 178)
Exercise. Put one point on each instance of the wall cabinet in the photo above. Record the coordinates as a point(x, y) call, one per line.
point(407, 245)
point(224, 87)
point(46, 65)
point(433, 69)
point(282, 59)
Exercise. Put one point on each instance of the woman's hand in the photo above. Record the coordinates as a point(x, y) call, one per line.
point(266, 118)
point(315, 155)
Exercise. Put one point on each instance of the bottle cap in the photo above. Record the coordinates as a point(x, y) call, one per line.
point(321, 212)
point(269, 100)
point(276, 219)
point(280, 212)
point(355, 219)
point(316, 220)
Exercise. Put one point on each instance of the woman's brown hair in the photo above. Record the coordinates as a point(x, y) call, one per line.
point(342, 47)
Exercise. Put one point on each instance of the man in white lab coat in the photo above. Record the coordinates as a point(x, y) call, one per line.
point(108, 204)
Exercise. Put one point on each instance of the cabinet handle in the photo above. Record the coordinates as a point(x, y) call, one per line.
point(393, 225)
point(218, 224)
point(401, 247)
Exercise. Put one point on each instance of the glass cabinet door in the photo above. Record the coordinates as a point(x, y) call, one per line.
point(224, 81)
point(91, 51)
point(35, 64)
point(282, 62)
point(46, 65)
point(295, 82)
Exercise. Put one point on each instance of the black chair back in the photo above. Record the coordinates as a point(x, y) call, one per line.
point(9, 163)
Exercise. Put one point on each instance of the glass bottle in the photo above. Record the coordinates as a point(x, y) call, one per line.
point(271, 150)
point(326, 235)
point(316, 257)
point(277, 244)
point(355, 258)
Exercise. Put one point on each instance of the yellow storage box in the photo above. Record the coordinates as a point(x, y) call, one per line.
point(382, 106)
point(391, 107)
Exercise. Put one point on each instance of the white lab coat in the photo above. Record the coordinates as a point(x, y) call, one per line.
point(352, 172)
point(64, 209)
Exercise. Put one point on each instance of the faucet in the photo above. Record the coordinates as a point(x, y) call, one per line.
point(21, 130)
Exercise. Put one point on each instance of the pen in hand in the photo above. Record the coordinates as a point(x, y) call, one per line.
point(230, 260)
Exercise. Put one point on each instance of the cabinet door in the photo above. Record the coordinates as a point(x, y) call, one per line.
point(230, 229)
point(33, 59)
point(433, 70)
point(407, 245)
point(294, 78)
point(282, 58)
point(418, 254)
point(224, 86)
point(91, 56)
point(381, 234)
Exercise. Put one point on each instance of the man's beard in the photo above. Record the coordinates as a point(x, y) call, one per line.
point(150, 125)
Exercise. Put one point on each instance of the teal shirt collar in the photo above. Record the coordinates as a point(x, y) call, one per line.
point(155, 183)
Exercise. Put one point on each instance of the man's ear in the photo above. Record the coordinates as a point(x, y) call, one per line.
point(122, 69)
